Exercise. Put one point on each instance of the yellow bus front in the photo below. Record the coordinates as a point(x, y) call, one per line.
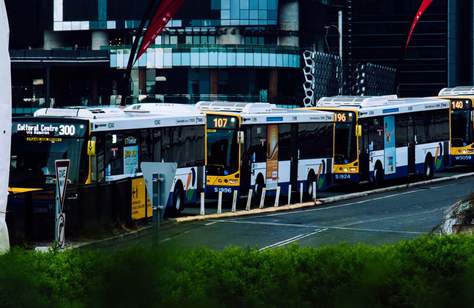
point(462, 130)
point(222, 152)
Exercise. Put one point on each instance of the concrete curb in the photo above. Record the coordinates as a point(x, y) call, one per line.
point(322, 201)
point(128, 235)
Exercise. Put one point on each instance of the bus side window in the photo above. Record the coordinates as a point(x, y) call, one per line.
point(284, 149)
point(157, 151)
point(401, 130)
point(113, 154)
point(146, 151)
point(376, 134)
point(258, 144)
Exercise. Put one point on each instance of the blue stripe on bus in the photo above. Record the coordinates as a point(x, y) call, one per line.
point(274, 119)
point(391, 110)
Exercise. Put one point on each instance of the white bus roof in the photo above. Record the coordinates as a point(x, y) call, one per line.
point(377, 106)
point(355, 101)
point(457, 91)
point(133, 117)
point(287, 116)
point(264, 113)
point(221, 106)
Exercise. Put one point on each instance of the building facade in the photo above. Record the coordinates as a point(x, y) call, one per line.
point(69, 52)
point(376, 31)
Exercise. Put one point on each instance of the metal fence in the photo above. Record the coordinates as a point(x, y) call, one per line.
point(372, 80)
point(90, 210)
point(322, 73)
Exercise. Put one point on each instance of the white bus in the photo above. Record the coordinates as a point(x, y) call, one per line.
point(257, 145)
point(379, 138)
point(107, 145)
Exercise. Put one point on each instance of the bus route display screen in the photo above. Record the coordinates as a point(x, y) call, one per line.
point(222, 122)
point(457, 104)
point(343, 117)
point(44, 129)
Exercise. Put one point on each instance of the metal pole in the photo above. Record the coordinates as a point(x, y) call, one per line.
point(203, 204)
point(262, 200)
point(219, 203)
point(56, 215)
point(289, 194)
point(301, 192)
point(341, 32)
point(156, 207)
point(234, 201)
point(340, 27)
point(249, 200)
point(277, 197)
point(314, 191)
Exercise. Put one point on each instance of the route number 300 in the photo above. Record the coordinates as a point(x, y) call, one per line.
point(67, 130)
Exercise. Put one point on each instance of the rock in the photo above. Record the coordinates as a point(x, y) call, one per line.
point(458, 215)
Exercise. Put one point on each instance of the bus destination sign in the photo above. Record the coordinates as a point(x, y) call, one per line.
point(457, 104)
point(49, 129)
point(344, 116)
point(222, 122)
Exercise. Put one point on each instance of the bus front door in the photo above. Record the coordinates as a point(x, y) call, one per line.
point(294, 157)
point(364, 153)
point(411, 147)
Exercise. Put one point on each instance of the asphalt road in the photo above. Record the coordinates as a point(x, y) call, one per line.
point(376, 219)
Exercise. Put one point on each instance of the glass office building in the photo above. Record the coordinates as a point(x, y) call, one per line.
point(75, 52)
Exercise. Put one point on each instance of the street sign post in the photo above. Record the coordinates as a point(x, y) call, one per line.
point(62, 176)
point(159, 178)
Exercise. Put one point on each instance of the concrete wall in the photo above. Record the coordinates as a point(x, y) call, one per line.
point(289, 21)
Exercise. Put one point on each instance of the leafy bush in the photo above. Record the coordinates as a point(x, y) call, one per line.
point(426, 272)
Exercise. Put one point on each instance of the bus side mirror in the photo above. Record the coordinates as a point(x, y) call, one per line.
point(358, 130)
point(91, 148)
point(240, 137)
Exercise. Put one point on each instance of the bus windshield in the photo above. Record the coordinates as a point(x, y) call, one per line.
point(461, 132)
point(345, 151)
point(222, 152)
point(33, 160)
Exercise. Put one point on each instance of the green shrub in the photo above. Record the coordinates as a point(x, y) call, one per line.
point(426, 272)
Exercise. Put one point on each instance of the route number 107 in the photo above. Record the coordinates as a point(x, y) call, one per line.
point(220, 122)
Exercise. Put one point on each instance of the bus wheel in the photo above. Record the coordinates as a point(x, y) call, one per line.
point(429, 167)
point(178, 201)
point(259, 185)
point(378, 175)
point(309, 183)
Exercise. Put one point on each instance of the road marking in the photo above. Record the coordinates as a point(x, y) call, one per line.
point(378, 230)
point(340, 206)
point(211, 223)
point(262, 223)
point(393, 217)
point(292, 240)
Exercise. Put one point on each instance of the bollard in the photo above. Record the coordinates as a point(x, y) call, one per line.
point(289, 194)
point(277, 198)
point(301, 192)
point(234, 201)
point(262, 200)
point(219, 203)
point(203, 202)
point(314, 191)
point(249, 200)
